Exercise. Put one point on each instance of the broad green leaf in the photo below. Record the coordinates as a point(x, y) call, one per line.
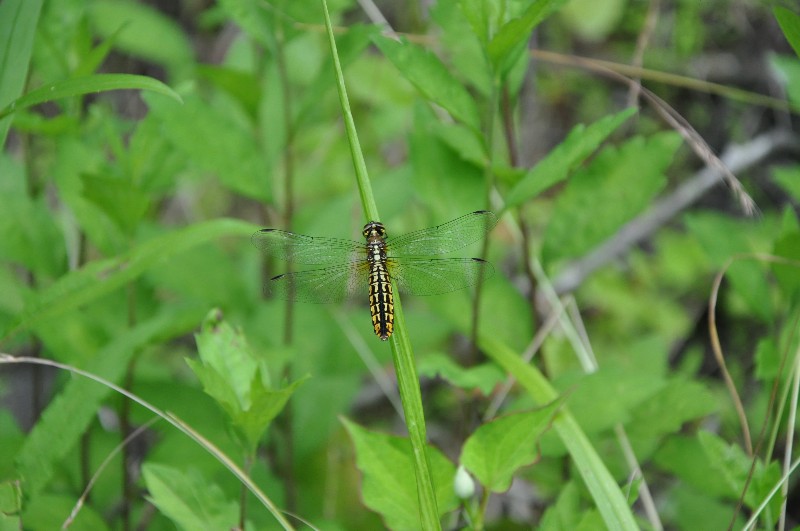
point(146, 33)
point(464, 36)
point(666, 411)
point(35, 243)
point(430, 76)
point(49, 511)
point(733, 464)
point(480, 14)
point(443, 180)
point(616, 186)
point(484, 377)
point(790, 25)
point(581, 142)
point(607, 397)
point(511, 39)
point(189, 499)
point(87, 85)
point(463, 141)
point(119, 198)
point(67, 417)
point(233, 375)
point(238, 83)
point(683, 457)
point(497, 449)
point(101, 277)
point(691, 508)
point(214, 138)
point(18, 21)
point(721, 238)
point(388, 485)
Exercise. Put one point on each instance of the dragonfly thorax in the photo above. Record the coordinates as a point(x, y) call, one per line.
point(375, 233)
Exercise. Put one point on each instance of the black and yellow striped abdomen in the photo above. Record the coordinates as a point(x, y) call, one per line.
point(381, 302)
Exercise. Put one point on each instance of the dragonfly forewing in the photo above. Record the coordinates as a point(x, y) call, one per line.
point(443, 238)
point(307, 250)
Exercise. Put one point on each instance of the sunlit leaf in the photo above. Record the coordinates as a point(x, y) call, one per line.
point(497, 449)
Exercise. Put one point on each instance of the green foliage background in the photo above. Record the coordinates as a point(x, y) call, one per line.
point(144, 142)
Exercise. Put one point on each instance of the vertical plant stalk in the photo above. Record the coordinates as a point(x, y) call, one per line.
point(402, 353)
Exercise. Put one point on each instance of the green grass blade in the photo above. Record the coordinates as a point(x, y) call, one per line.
point(402, 353)
point(18, 19)
point(87, 85)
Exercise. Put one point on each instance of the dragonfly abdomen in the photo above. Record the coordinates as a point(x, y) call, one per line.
point(381, 301)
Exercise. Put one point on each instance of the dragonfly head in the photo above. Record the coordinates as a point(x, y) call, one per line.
point(374, 229)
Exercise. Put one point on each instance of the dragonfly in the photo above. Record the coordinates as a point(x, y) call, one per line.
point(348, 269)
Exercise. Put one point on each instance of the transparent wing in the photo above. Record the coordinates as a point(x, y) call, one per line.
point(443, 238)
point(437, 275)
point(331, 284)
point(308, 250)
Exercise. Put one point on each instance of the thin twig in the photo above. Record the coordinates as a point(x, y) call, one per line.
point(641, 45)
point(84, 496)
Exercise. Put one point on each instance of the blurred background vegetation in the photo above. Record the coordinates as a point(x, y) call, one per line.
point(125, 219)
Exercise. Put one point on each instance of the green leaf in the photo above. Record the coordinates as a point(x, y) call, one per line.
point(49, 511)
point(733, 464)
point(484, 377)
point(464, 35)
point(479, 13)
point(36, 243)
point(18, 21)
point(87, 85)
point(119, 198)
point(189, 499)
point(604, 490)
point(146, 32)
point(618, 184)
point(581, 142)
point(497, 449)
point(604, 17)
point(789, 179)
point(215, 139)
point(721, 238)
point(389, 486)
point(101, 277)
point(788, 70)
point(430, 76)
point(788, 246)
point(563, 515)
point(233, 376)
point(790, 25)
point(511, 39)
point(67, 417)
point(667, 410)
